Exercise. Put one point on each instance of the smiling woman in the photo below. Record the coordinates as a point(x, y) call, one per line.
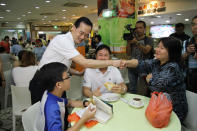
point(167, 73)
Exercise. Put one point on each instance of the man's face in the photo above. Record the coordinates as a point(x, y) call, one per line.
point(140, 29)
point(194, 27)
point(81, 33)
point(179, 30)
point(103, 54)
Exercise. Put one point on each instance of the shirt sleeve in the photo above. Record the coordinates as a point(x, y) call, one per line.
point(86, 79)
point(119, 78)
point(65, 47)
point(53, 118)
point(145, 66)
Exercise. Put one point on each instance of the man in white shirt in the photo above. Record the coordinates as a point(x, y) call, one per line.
point(62, 49)
point(94, 79)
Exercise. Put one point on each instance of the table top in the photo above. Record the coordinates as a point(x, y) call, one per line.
point(126, 118)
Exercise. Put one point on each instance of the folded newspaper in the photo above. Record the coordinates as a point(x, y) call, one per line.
point(104, 111)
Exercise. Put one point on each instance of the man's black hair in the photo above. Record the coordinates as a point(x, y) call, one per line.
point(84, 20)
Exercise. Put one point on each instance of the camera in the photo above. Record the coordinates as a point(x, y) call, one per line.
point(131, 34)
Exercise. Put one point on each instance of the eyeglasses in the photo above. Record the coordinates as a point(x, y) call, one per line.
point(66, 78)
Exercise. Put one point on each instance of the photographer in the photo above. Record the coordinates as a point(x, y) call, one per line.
point(141, 48)
point(190, 58)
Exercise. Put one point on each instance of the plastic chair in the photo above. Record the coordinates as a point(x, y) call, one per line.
point(29, 117)
point(21, 100)
point(191, 119)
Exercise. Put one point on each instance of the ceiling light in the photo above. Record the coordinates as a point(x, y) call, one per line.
point(18, 18)
point(44, 23)
point(8, 10)
point(64, 17)
point(2, 4)
point(167, 21)
point(158, 16)
point(45, 16)
point(56, 19)
point(63, 10)
point(49, 21)
point(47, 1)
point(73, 15)
point(23, 15)
point(85, 6)
point(1, 17)
point(43, 19)
point(29, 12)
point(37, 7)
point(178, 14)
point(141, 18)
point(186, 19)
point(152, 22)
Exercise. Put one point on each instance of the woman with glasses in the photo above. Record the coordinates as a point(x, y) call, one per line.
point(55, 81)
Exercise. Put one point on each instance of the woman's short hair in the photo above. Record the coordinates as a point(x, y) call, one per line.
point(50, 74)
point(174, 48)
point(20, 54)
point(103, 47)
point(28, 58)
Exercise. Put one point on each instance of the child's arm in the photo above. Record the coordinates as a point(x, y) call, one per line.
point(89, 113)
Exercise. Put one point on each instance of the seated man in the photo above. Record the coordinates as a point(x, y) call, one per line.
point(95, 79)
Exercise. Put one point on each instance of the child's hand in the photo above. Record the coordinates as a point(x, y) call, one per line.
point(89, 113)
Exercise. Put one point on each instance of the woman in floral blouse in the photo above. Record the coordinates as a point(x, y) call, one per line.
point(167, 73)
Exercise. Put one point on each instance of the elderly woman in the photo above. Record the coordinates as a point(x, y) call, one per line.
point(26, 70)
point(167, 73)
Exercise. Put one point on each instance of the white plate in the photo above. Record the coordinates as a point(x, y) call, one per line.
point(110, 97)
point(131, 103)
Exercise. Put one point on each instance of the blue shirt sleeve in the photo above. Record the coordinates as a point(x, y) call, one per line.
point(52, 117)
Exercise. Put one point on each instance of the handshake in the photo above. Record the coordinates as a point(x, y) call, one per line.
point(119, 63)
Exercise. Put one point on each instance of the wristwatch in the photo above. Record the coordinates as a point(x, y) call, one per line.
point(84, 103)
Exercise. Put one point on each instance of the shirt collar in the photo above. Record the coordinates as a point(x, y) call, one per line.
point(71, 37)
point(108, 69)
point(55, 97)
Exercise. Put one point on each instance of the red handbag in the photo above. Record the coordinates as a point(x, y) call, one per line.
point(159, 110)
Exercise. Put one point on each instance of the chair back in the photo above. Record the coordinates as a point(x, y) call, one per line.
point(29, 117)
point(191, 119)
point(21, 99)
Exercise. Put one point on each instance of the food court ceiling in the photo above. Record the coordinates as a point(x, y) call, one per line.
point(64, 12)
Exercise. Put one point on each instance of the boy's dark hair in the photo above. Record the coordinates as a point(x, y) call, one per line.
point(179, 25)
point(84, 20)
point(103, 47)
point(50, 74)
point(174, 48)
point(140, 21)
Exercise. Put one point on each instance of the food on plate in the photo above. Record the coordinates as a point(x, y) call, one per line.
point(109, 85)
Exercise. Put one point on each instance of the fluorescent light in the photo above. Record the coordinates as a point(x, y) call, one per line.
point(56, 19)
point(85, 6)
point(49, 21)
point(8, 10)
point(2, 4)
point(18, 18)
point(43, 19)
point(158, 16)
point(29, 12)
point(186, 19)
point(178, 14)
point(63, 10)
point(47, 1)
point(141, 18)
point(152, 22)
point(45, 16)
point(23, 15)
point(1, 17)
point(167, 21)
point(37, 7)
point(6, 22)
point(64, 17)
point(73, 15)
